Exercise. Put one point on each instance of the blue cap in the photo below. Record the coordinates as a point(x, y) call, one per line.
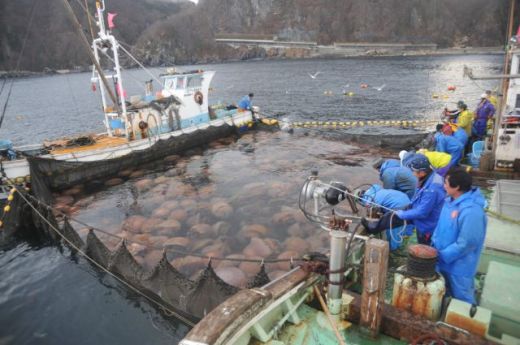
point(420, 163)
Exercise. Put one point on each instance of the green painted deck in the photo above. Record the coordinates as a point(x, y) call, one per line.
point(315, 330)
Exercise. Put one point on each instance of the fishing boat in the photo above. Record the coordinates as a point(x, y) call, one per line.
point(134, 124)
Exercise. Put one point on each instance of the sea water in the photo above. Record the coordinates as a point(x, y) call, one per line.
point(47, 297)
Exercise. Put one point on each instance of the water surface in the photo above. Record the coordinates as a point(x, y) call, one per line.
point(47, 298)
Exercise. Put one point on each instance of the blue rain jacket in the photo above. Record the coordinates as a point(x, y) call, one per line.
point(245, 103)
point(426, 205)
point(390, 198)
point(461, 288)
point(449, 144)
point(459, 235)
point(459, 239)
point(395, 176)
point(395, 200)
point(461, 136)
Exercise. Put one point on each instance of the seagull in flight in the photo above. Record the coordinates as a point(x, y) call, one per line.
point(313, 76)
point(380, 88)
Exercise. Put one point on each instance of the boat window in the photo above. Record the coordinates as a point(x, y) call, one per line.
point(194, 82)
point(169, 83)
point(180, 83)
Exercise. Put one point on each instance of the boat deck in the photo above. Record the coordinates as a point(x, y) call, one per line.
point(315, 329)
point(505, 235)
point(101, 143)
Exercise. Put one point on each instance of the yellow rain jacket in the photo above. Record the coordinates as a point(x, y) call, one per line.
point(493, 100)
point(437, 159)
point(465, 120)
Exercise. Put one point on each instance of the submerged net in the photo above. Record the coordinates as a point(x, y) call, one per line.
point(191, 298)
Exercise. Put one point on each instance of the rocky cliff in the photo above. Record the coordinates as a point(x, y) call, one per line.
point(177, 31)
point(445, 22)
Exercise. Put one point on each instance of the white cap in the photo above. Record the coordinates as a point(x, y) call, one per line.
point(484, 95)
point(402, 154)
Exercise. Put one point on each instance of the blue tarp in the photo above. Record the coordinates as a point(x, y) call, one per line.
point(6, 145)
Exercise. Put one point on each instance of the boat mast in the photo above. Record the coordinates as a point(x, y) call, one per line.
point(104, 42)
point(91, 54)
point(94, 56)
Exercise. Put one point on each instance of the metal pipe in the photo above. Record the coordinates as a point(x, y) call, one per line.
point(120, 90)
point(102, 90)
point(497, 76)
point(504, 86)
point(338, 242)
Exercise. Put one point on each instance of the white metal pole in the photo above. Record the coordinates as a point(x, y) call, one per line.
point(102, 91)
point(120, 91)
point(338, 243)
point(101, 18)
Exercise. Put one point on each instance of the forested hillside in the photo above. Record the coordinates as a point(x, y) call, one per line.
point(178, 31)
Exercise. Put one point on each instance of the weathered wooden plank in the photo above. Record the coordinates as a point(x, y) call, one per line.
point(374, 281)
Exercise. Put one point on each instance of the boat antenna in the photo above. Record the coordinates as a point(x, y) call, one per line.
point(122, 44)
point(91, 54)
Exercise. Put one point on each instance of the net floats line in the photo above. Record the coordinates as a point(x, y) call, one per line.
point(368, 123)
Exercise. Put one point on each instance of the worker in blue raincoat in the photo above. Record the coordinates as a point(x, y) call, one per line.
point(448, 144)
point(485, 111)
point(457, 132)
point(461, 136)
point(246, 102)
point(390, 199)
point(460, 233)
point(395, 176)
point(7, 150)
point(425, 206)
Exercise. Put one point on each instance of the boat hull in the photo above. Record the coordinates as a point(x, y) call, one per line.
point(20, 168)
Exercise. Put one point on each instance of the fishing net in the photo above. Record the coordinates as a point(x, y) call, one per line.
point(15, 221)
point(191, 298)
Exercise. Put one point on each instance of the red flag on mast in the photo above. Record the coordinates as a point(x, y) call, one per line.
point(111, 17)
